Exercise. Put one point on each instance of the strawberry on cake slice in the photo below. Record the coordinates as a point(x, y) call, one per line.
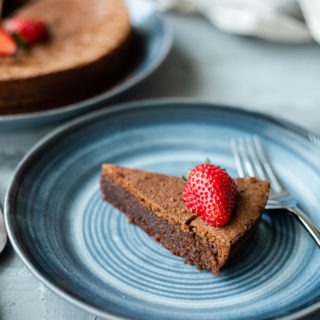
point(210, 193)
point(206, 219)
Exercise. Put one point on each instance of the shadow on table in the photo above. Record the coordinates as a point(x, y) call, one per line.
point(175, 77)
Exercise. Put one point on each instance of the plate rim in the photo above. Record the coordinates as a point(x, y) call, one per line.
point(123, 107)
point(90, 104)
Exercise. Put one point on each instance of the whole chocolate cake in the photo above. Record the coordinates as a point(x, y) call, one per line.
point(87, 50)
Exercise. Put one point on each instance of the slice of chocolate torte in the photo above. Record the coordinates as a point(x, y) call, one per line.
point(153, 201)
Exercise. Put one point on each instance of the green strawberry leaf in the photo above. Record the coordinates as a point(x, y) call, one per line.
point(18, 39)
point(185, 177)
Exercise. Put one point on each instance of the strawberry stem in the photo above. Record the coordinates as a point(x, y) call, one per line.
point(18, 39)
point(185, 176)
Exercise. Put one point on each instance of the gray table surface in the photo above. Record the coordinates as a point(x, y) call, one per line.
point(277, 79)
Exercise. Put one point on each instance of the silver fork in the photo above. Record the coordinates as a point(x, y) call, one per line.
point(251, 160)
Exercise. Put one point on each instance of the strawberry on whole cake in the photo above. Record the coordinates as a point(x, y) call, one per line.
point(207, 219)
point(57, 52)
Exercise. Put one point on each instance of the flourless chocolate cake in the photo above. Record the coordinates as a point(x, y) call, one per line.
point(153, 201)
point(88, 49)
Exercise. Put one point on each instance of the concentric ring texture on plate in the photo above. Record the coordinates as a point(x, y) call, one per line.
point(86, 251)
point(152, 41)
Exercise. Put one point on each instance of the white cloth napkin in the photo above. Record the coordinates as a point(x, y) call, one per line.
point(291, 21)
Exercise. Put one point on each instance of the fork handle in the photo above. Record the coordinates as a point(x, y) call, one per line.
point(307, 223)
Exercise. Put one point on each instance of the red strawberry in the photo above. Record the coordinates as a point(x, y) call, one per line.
point(27, 30)
point(210, 193)
point(7, 44)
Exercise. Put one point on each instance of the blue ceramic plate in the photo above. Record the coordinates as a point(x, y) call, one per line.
point(86, 251)
point(152, 41)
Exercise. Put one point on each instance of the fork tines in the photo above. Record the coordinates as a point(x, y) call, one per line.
point(251, 160)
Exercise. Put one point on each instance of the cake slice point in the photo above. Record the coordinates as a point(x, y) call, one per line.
point(153, 201)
